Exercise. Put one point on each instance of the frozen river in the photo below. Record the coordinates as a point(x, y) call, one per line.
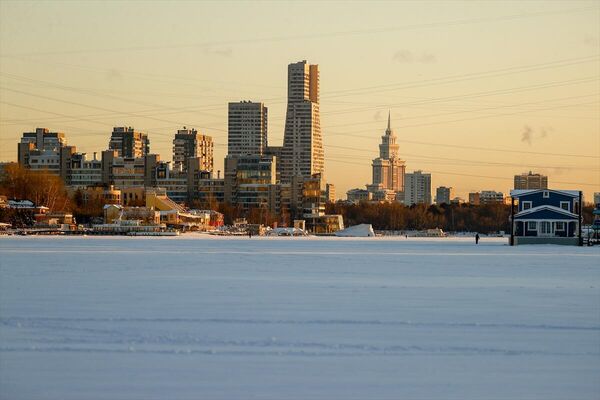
point(197, 317)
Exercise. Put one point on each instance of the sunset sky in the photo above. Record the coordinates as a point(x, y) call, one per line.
point(478, 91)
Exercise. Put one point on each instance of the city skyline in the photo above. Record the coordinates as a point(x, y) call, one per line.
point(530, 107)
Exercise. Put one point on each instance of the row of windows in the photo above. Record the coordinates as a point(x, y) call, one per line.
point(533, 225)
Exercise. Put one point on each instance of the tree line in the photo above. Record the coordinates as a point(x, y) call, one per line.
point(486, 218)
point(47, 189)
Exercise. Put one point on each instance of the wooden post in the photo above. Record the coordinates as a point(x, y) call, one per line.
point(512, 221)
point(580, 217)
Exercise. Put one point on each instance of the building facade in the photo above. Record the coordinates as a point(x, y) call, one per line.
point(388, 169)
point(491, 197)
point(247, 129)
point(330, 193)
point(417, 189)
point(81, 171)
point(248, 179)
point(188, 143)
point(302, 154)
point(545, 216)
point(530, 180)
point(41, 150)
point(357, 195)
point(444, 195)
point(127, 142)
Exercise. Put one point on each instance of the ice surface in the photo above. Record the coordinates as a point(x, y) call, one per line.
point(198, 317)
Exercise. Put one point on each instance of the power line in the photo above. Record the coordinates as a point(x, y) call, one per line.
point(474, 175)
point(468, 162)
point(318, 35)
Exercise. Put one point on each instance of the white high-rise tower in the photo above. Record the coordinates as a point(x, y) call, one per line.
point(302, 153)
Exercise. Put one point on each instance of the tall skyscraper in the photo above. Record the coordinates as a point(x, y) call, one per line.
point(302, 153)
point(531, 181)
point(129, 143)
point(388, 168)
point(247, 129)
point(187, 144)
point(417, 189)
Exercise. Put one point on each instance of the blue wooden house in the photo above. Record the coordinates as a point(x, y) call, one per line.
point(545, 216)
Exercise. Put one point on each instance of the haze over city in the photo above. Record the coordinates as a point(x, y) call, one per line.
point(478, 91)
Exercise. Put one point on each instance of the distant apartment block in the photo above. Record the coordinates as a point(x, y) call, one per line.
point(531, 181)
point(444, 195)
point(330, 193)
point(491, 197)
point(187, 144)
point(247, 128)
point(417, 188)
point(248, 179)
point(41, 150)
point(82, 171)
point(474, 198)
point(357, 195)
point(174, 181)
point(129, 143)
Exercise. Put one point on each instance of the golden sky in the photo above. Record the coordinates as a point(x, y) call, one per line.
point(478, 90)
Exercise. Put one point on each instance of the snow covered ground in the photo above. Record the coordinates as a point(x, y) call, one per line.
point(198, 317)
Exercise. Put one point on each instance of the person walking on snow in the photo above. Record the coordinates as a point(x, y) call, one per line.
point(477, 238)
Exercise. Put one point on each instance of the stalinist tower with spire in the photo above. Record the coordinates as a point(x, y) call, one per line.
point(388, 168)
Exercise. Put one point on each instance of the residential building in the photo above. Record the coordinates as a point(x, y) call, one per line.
point(357, 195)
point(531, 181)
point(474, 198)
point(174, 181)
point(302, 154)
point(417, 188)
point(312, 196)
point(43, 139)
point(81, 171)
point(388, 168)
point(248, 179)
point(444, 195)
point(100, 193)
point(247, 129)
point(129, 143)
point(491, 197)
point(187, 144)
point(330, 193)
point(41, 150)
point(133, 196)
point(123, 172)
point(545, 216)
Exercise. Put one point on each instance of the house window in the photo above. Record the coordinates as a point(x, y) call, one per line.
point(559, 226)
point(565, 205)
point(546, 194)
point(526, 205)
point(531, 225)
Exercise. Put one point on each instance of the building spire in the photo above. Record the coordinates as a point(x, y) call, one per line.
point(389, 128)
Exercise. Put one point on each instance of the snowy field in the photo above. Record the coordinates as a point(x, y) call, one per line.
point(197, 317)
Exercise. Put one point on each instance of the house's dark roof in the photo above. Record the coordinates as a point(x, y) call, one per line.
point(545, 211)
point(522, 192)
